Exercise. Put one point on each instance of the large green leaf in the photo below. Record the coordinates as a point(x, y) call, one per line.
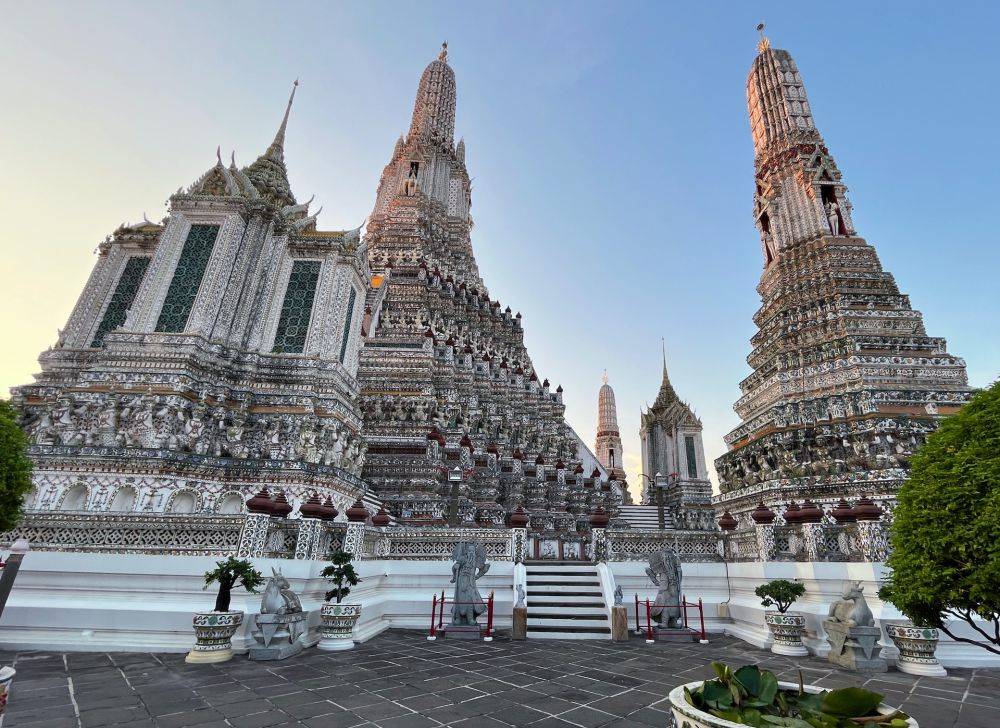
point(715, 693)
point(749, 677)
point(768, 687)
point(851, 702)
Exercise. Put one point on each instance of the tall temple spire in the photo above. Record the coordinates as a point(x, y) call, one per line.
point(846, 382)
point(268, 173)
point(277, 149)
point(608, 443)
point(434, 108)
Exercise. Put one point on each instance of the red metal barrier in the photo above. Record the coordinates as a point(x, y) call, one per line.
point(437, 615)
point(684, 606)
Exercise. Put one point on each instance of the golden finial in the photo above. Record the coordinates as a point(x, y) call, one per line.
point(443, 55)
point(763, 44)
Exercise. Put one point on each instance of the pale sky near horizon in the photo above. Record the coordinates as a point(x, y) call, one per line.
point(609, 146)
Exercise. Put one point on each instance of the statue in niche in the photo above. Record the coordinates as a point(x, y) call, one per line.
point(107, 420)
point(234, 435)
point(66, 419)
point(833, 217)
point(306, 447)
point(410, 185)
point(194, 430)
point(470, 564)
point(664, 571)
point(43, 430)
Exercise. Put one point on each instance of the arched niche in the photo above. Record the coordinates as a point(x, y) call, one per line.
point(230, 504)
point(183, 501)
point(124, 500)
point(74, 499)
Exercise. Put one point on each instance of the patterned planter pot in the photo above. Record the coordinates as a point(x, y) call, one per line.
point(787, 630)
point(213, 633)
point(916, 647)
point(6, 677)
point(687, 716)
point(337, 625)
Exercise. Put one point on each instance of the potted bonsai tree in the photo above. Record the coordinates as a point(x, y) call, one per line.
point(214, 630)
point(751, 696)
point(337, 620)
point(786, 628)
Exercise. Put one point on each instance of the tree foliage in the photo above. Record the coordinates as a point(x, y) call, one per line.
point(15, 468)
point(945, 561)
point(341, 574)
point(780, 593)
point(228, 573)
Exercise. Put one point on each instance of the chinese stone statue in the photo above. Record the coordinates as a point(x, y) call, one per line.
point(665, 572)
point(470, 564)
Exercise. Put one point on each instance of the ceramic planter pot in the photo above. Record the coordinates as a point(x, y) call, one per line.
point(213, 632)
point(688, 716)
point(787, 630)
point(916, 647)
point(337, 625)
point(6, 677)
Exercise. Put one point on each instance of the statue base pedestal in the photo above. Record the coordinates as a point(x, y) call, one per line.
point(278, 636)
point(470, 632)
point(519, 629)
point(855, 648)
point(677, 634)
point(619, 624)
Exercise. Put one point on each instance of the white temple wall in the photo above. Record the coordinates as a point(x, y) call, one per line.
point(100, 602)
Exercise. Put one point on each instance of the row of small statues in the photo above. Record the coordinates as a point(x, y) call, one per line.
point(173, 423)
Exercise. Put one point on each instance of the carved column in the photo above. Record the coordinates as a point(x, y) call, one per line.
point(765, 541)
point(873, 538)
point(254, 536)
point(307, 539)
point(812, 536)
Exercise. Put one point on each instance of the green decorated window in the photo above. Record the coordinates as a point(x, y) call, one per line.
point(187, 278)
point(296, 310)
point(347, 323)
point(121, 300)
point(691, 457)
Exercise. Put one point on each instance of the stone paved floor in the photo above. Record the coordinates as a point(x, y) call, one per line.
point(399, 680)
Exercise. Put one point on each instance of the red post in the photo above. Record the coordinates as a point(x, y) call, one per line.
point(441, 619)
point(489, 616)
point(434, 608)
point(701, 614)
point(649, 623)
point(638, 624)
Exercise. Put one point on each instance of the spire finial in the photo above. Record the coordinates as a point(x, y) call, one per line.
point(277, 148)
point(605, 377)
point(443, 55)
point(663, 341)
point(763, 44)
point(218, 153)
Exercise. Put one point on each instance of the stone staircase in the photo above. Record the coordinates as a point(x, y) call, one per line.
point(645, 518)
point(565, 601)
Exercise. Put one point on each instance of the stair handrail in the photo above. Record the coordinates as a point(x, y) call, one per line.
point(607, 578)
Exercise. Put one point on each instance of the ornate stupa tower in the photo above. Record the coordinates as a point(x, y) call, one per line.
point(608, 442)
point(673, 458)
point(846, 381)
point(451, 400)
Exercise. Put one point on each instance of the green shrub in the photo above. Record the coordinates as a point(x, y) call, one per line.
point(341, 573)
point(15, 468)
point(780, 593)
point(228, 573)
point(945, 561)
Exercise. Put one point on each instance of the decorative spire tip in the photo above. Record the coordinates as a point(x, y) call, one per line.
point(605, 377)
point(764, 43)
point(443, 55)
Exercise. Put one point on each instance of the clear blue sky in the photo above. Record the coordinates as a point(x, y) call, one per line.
point(609, 146)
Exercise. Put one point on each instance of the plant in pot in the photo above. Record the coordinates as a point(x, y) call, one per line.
point(786, 628)
point(337, 619)
point(754, 697)
point(214, 630)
